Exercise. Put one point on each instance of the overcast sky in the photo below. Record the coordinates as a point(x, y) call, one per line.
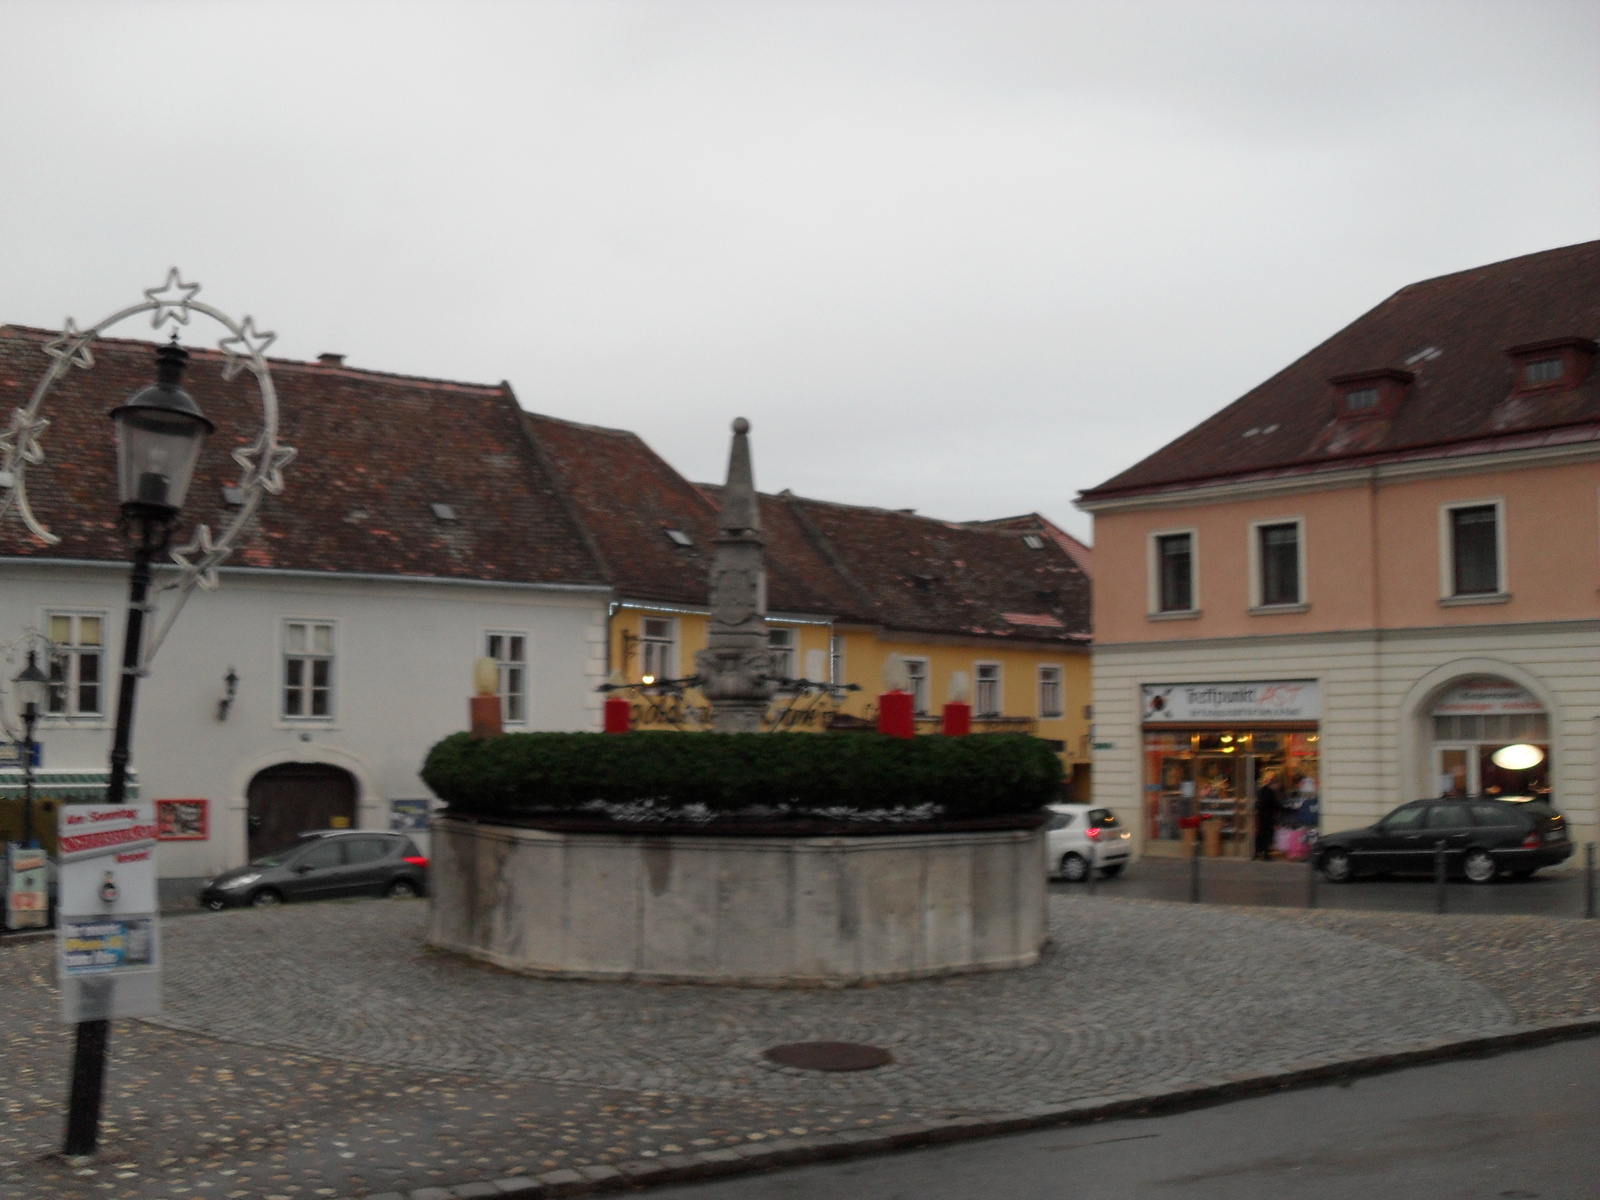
point(967, 258)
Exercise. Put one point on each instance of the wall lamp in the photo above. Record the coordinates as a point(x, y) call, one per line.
point(230, 685)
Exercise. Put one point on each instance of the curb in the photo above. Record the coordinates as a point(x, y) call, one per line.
point(856, 1143)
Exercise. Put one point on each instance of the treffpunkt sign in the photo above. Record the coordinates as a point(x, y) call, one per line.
point(1238, 703)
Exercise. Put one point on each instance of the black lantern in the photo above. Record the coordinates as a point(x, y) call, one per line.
point(33, 690)
point(160, 431)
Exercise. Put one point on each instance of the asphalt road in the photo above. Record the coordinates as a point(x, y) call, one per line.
point(1524, 1124)
point(1550, 893)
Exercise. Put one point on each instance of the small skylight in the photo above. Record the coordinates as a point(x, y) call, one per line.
point(444, 512)
point(1251, 432)
point(233, 497)
point(1033, 541)
point(679, 537)
point(1427, 354)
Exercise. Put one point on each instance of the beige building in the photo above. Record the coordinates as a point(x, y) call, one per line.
point(1370, 575)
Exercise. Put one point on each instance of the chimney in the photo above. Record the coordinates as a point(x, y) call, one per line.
point(331, 360)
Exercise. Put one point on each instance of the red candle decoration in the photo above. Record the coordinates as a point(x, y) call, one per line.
point(895, 717)
point(485, 713)
point(957, 719)
point(617, 715)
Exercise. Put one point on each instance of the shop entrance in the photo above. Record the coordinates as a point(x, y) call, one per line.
point(293, 798)
point(1490, 738)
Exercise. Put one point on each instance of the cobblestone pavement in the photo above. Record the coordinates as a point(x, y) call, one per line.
point(323, 1050)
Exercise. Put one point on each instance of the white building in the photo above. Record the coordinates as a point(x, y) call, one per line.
point(416, 533)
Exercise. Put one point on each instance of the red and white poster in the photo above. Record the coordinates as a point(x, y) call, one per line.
point(108, 947)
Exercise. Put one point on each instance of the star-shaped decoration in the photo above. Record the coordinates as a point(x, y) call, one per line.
point(22, 437)
point(270, 472)
point(72, 345)
point(201, 546)
point(171, 300)
point(243, 347)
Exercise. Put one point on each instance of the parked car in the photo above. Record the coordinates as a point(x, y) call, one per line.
point(1484, 838)
point(321, 865)
point(1081, 834)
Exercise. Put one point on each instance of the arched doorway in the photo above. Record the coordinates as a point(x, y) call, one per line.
point(292, 798)
point(1490, 737)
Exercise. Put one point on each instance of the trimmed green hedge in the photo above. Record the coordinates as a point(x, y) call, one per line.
point(656, 775)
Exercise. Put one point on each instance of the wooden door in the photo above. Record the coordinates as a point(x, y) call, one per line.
point(294, 798)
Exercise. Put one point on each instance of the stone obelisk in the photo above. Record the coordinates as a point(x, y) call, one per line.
point(735, 665)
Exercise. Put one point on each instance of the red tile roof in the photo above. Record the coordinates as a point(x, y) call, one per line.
point(1452, 333)
point(376, 451)
point(1082, 554)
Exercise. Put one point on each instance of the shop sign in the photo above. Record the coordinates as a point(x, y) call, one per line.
point(1485, 697)
point(108, 954)
point(27, 887)
point(1234, 703)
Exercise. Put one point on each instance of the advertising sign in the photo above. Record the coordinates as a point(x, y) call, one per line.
point(108, 956)
point(1485, 698)
point(12, 754)
point(27, 888)
point(182, 820)
point(1232, 703)
point(409, 816)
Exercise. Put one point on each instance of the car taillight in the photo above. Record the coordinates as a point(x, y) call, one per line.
point(1091, 833)
point(416, 860)
point(1532, 841)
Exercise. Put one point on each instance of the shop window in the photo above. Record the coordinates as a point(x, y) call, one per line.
point(77, 661)
point(1278, 563)
point(780, 645)
point(308, 669)
point(917, 675)
point(986, 692)
point(1491, 738)
point(1050, 692)
point(657, 648)
point(1174, 572)
point(1474, 532)
point(510, 654)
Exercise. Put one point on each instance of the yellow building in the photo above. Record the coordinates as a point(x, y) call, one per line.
point(1002, 606)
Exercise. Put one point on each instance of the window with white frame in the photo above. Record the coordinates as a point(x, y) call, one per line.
point(510, 654)
point(1174, 572)
point(1278, 563)
point(1050, 704)
point(1474, 551)
point(917, 674)
point(77, 664)
point(986, 690)
point(658, 643)
point(836, 661)
point(781, 646)
point(308, 669)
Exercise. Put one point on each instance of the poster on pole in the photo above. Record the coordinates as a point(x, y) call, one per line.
point(108, 957)
point(27, 887)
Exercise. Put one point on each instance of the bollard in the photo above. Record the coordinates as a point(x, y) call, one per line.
point(1438, 878)
point(1194, 873)
point(1588, 880)
point(1093, 855)
point(1311, 880)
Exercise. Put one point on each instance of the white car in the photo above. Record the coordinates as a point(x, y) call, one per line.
point(1079, 834)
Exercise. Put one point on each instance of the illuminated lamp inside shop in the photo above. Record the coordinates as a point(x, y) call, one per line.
point(1519, 757)
point(647, 679)
point(1226, 738)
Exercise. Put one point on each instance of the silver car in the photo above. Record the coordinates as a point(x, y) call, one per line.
point(1081, 834)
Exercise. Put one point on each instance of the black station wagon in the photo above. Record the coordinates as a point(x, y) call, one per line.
point(1484, 838)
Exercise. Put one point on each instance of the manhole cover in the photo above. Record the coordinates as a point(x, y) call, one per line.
point(830, 1056)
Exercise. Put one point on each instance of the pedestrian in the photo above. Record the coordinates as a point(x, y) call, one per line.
point(1268, 808)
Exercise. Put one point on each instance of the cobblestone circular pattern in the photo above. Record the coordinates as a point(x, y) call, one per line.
point(1128, 997)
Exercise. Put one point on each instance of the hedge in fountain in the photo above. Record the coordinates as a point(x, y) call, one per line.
point(654, 776)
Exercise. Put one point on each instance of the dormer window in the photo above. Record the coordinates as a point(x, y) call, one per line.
point(679, 538)
point(1555, 365)
point(1370, 393)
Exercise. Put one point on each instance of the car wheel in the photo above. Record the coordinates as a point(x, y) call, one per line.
point(1479, 866)
point(216, 905)
point(266, 898)
point(1073, 868)
point(1336, 867)
point(1112, 871)
point(401, 889)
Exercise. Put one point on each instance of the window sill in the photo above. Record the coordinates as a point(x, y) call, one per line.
point(1267, 610)
point(307, 723)
point(1476, 598)
point(1177, 614)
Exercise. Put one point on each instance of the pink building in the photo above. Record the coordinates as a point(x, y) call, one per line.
point(1369, 575)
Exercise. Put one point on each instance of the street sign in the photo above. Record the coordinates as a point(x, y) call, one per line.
point(11, 755)
point(108, 956)
point(27, 887)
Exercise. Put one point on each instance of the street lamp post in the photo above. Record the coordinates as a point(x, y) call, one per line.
point(160, 432)
point(33, 691)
